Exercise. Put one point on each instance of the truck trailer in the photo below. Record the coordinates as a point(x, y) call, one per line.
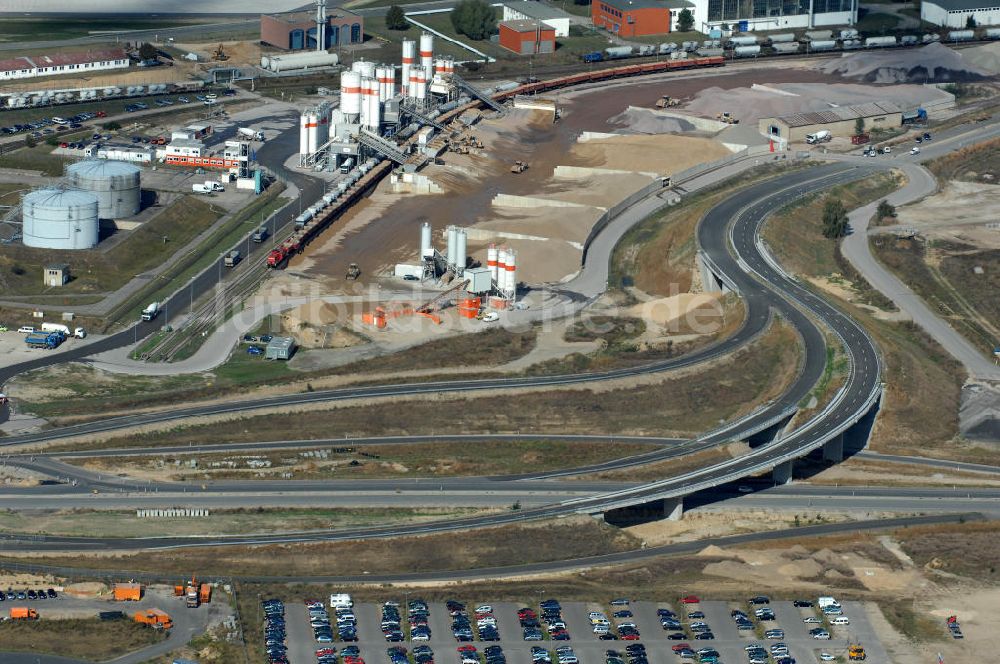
point(47, 340)
point(155, 618)
point(23, 613)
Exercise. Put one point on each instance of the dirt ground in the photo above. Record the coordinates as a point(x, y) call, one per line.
point(959, 212)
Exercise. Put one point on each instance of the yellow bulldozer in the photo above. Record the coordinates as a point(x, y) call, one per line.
point(856, 653)
point(519, 167)
point(727, 118)
point(666, 101)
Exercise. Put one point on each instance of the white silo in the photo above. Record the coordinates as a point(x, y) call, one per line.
point(461, 251)
point(322, 124)
point(421, 86)
point(427, 55)
point(452, 245)
point(387, 83)
point(60, 219)
point(426, 250)
point(501, 268)
point(491, 261)
point(350, 94)
point(304, 133)
point(313, 131)
point(409, 60)
point(115, 183)
point(510, 281)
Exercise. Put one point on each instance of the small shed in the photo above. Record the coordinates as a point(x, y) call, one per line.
point(280, 348)
point(56, 275)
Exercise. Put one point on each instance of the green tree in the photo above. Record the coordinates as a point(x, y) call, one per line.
point(395, 19)
point(685, 20)
point(834, 219)
point(475, 19)
point(147, 51)
point(112, 126)
point(859, 126)
point(970, 22)
point(30, 141)
point(582, 3)
point(885, 209)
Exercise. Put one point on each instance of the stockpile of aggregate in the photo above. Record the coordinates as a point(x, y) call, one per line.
point(934, 63)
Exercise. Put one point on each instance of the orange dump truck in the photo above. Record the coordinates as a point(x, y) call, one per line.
point(205, 593)
point(23, 613)
point(127, 592)
point(154, 618)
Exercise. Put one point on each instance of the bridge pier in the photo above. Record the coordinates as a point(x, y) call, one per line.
point(782, 473)
point(770, 434)
point(655, 510)
point(833, 449)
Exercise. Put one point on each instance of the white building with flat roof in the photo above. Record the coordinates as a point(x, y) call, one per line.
point(956, 13)
point(529, 10)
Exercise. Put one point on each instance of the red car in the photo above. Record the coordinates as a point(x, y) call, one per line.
point(101, 114)
point(681, 646)
point(690, 599)
point(325, 651)
point(467, 648)
point(629, 636)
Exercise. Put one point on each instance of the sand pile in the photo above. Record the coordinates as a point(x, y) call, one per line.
point(931, 63)
point(635, 120)
point(985, 57)
point(749, 105)
point(660, 154)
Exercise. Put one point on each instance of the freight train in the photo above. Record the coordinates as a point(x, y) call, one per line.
point(750, 46)
point(321, 214)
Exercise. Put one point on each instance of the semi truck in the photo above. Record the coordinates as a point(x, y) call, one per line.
point(819, 137)
point(155, 618)
point(23, 613)
point(47, 340)
point(232, 258)
point(78, 332)
point(250, 134)
point(151, 311)
point(207, 187)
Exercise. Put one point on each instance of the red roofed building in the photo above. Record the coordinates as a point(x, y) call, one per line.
point(62, 63)
point(527, 37)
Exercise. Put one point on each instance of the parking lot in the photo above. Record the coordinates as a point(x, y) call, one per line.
point(730, 643)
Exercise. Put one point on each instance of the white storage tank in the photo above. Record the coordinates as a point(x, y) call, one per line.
point(115, 183)
point(60, 219)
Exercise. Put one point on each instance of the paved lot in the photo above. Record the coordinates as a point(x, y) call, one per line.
point(589, 649)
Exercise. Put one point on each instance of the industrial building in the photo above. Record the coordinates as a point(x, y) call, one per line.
point(956, 13)
point(295, 31)
point(772, 14)
point(60, 219)
point(116, 185)
point(529, 10)
point(634, 18)
point(840, 122)
point(280, 348)
point(56, 275)
point(84, 62)
point(526, 37)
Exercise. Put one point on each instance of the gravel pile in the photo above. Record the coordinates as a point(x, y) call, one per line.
point(636, 120)
point(749, 105)
point(934, 63)
point(985, 57)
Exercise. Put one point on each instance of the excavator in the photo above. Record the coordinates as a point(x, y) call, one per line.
point(727, 118)
point(219, 54)
point(666, 101)
point(519, 167)
point(353, 272)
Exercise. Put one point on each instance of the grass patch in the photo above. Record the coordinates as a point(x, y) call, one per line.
point(912, 623)
point(680, 404)
point(88, 639)
point(877, 23)
point(965, 549)
point(39, 29)
point(451, 459)
point(977, 163)
point(613, 331)
point(944, 275)
point(96, 271)
point(78, 523)
point(38, 158)
point(486, 547)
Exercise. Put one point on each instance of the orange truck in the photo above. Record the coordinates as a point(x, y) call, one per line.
point(205, 593)
point(23, 613)
point(127, 592)
point(155, 618)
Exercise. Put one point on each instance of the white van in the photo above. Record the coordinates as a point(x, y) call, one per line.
point(341, 601)
point(26, 329)
point(840, 620)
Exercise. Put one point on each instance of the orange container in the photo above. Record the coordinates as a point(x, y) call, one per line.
point(498, 303)
point(468, 312)
point(470, 302)
point(127, 592)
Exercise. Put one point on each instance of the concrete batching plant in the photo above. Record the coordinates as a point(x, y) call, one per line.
point(114, 183)
point(60, 219)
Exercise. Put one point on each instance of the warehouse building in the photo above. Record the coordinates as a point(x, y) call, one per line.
point(527, 37)
point(529, 10)
point(956, 13)
point(636, 18)
point(280, 348)
point(840, 122)
point(295, 31)
point(30, 66)
point(773, 14)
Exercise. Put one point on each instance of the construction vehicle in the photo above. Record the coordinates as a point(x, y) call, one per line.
point(44, 339)
point(232, 258)
point(727, 118)
point(666, 101)
point(155, 618)
point(381, 315)
point(23, 613)
point(220, 54)
point(353, 272)
point(205, 593)
point(192, 598)
point(127, 592)
point(856, 653)
point(519, 167)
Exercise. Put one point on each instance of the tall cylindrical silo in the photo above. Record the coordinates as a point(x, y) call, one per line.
point(115, 183)
point(350, 94)
point(452, 244)
point(491, 261)
point(426, 250)
point(60, 219)
point(510, 281)
point(409, 60)
point(427, 55)
point(304, 133)
point(461, 251)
